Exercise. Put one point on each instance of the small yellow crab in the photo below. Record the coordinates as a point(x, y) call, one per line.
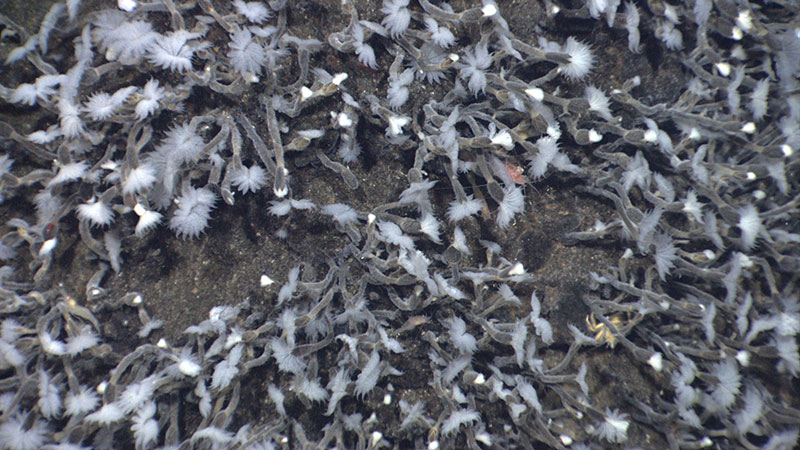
point(602, 332)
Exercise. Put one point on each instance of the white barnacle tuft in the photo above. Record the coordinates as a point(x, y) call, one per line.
point(255, 12)
point(181, 144)
point(69, 118)
point(311, 389)
point(283, 207)
point(286, 292)
point(614, 428)
point(413, 413)
point(398, 88)
point(463, 341)
point(101, 105)
point(751, 412)
point(665, 254)
point(277, 397)
point(670, 35)
point(85, 339)
point(365, 52)
point(458, 418)
point(417, 193)
point(476, 61)
point(580, 378)
point(461, 210)
point(502, 138)
point(106, 415)
point(145, 427)
point(548, 149)
point(69, 172)
point(219, 437)
point(338, 387)
point(726, 390)
point(249, 179)
point(227, 369)
point(148, 327)
point(390, 233)
point(49, 396)
point(369, 375)
point(172, 51)
point(80, 402)
point(148, 219)
point(637, 173)
point(759, 98)
point(151, 94)
point(441, 36)
point(430, 227)
point(455, 367)
point(42, 137)
point(25, 93)
point(694, 207)
point(598, 102)
point(287, 362)
point(247, 56)
point(280, 208)
point(398, 17)
point(632, 26)
point(460, 241)
point(542, 326)
point(123, 41)
point(513, 203)
point(581, 59)
point(96, 212)
point(341, 213)
point(750, 225)
point(20, 432)
point(518, 337)
point(138, 179)
point(528, 393)
point(194, 209)
point(51, 345)
point(596, 7)
point(136, 394)
point(396, 124)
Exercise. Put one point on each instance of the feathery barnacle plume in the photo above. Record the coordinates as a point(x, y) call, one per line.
point(433, 165)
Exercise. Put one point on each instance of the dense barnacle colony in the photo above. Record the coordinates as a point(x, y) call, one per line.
point(428, 224)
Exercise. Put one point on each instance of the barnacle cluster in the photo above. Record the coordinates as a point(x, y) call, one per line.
point(399, 224)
